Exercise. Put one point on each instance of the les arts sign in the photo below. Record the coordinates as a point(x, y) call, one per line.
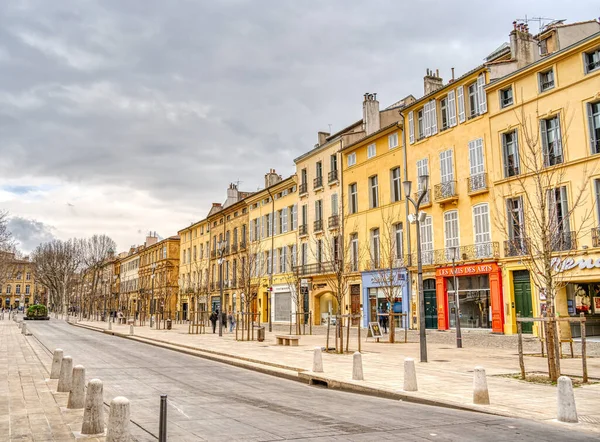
point(560, 265)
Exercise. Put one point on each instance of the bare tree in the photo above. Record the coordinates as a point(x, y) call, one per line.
point(7, 249)
point(293, 278)
point(537, 218)
point(95, 250)
point(252, 267)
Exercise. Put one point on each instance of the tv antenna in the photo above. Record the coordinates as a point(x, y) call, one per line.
point(542, 22)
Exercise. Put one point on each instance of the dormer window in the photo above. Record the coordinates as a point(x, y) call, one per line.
point(544, 46)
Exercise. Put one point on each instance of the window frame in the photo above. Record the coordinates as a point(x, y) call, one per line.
point(396, 185)
point(371, 150)
point(473, 95)
point(586, 63)
point(353, 198)
point(545, 141)
point(503, 101)
point(541, 83)
point(393, 138)
point(351, 159)
point(515, 143)
point(373, 192)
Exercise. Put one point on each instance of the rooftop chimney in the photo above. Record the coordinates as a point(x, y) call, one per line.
point(151, 239)
point(522, 45)
point(323, 137)
point(272, 178)
point(371, 121)
point(432, 81)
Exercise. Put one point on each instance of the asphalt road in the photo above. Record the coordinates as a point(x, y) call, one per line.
point(213, 401)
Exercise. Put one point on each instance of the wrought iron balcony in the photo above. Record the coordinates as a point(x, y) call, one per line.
point(303, 188)
point(596, 237)
point(516, 247)
point(562, 241)
point(316, 268)
point(332, 176)
point(213, 253)
point(234, 248)
point(334, 222)
point(318, 225)
point(318, 182)
point(303, 230)
point(477, 183)
point(243, 245)
point(445, 191)
point(426, 199)
point(471, 252)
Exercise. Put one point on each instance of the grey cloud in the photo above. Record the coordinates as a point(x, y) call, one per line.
point(29, 232)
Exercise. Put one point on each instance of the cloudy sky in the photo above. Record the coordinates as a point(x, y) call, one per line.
point(124, 116)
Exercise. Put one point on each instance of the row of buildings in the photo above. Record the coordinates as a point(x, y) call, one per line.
point(18, 286)
point(509, 150)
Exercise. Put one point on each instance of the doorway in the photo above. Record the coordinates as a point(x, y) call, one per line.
point(522, 291)
point(431, 319)
point(355, 302)
point(184, 309)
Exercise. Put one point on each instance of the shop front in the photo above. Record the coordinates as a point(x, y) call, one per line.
point(479, 288)
point(283, 303)
point(376, 294)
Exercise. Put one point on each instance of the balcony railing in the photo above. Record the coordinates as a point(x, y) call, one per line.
point(477, 183)
point(426, 198)
point(334, 222)
point(234, 248)
point(445, 191)
point(303, 230)
point(213, 253)
point(332, 176)
point(562, 241)
point(303, 188)
point(596, 237)
point(243, 245)
point(318, 225)
point(316, 268)
point(471, 252)
point(318, 182)
point(516, 247)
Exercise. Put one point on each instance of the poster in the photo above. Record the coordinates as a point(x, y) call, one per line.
point(597, 304)
point(375, 330)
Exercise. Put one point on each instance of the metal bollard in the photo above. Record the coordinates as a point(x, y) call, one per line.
point(162, 424)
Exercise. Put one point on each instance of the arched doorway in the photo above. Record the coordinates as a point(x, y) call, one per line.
point(327, 303)
point(431, 318)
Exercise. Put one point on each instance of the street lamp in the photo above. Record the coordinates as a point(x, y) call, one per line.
point(152, 297)
point(418, 218)
point(104, 293)
point(455, 250)
point(222, 245)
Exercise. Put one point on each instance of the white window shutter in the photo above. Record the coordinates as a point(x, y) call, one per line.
point(284, 221)
point(481, 93)
point(451, 109)
point(461, 104)
point(411, 128)
point(427, 119)
point(433, 117)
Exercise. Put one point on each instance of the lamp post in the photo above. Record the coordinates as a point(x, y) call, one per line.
point(152, 296)
point(455, 250)
point(104, 293)
point(222, 244)
point(423, 183)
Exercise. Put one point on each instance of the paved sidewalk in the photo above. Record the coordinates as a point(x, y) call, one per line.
point(445, 379)
point(29, 410)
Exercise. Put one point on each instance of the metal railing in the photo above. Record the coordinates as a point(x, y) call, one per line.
point(302, 229)
point(596, 237)
point(311, 269)
point(334, 221)
point(332, 176)
point(426, 198)
point(318, 182)
point(318, 225)
point(213, 253)
point(444, 191)
point(477, 183)
point(303, 188)
point(565, 240)
point(243, 245)
point(516, 247)
point(471, 252)
point(234, 248)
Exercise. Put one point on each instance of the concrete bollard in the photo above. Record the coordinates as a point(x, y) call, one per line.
point(93, 413)
point(357, 368)
point(481, 395)
point(56, 363)
point(77, 393)
point(567, 412)
point(131, 330)
point(20, 323)
point(24, 329)
point(410, 375)
point(66, 375)
point(317, 361)
point(118, 420)
point(109, 325)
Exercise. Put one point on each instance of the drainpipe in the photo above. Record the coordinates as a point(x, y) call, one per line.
point(270, 294)
point(407, 223)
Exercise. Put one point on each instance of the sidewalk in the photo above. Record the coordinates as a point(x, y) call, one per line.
point(446, 379)
point(29, 410)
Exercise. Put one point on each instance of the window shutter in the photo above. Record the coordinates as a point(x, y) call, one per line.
point(461, 104)
point(427, 119)
point(593, 140)
point(451, 109)
point(252, 231)
point(433, 117)
point(295, 216)
point(544, 131)
point(284, 220)
point(411, 128)
point(481, 93)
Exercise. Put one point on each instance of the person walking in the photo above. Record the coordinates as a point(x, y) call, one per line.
point(213, 320)
point(231, 320)
point(384, 319)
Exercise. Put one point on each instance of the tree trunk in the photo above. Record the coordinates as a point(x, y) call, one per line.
point(392, 325)
point(551, 339)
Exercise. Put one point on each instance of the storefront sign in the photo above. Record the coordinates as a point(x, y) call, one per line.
point(385, 278)
point(563, 264)
point(466, 270)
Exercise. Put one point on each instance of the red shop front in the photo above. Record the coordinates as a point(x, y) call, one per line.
point(480, 297)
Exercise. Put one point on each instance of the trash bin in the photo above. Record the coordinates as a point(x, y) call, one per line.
point(168, 324)
point(260, 334)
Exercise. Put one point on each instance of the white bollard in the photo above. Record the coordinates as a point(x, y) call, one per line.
point(77, 393)
point(20, 323)
point(66, 375)
point(24, 329)
point(131, 330)
point(410, 375)
point(56, 363)
point(317, 361)
point(357, 368)
point(567, 412)
point(93, 413)
point(118, 420)
point(481, 395)
point(109, 325)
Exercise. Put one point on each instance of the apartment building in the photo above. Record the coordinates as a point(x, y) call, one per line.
point(194, 264)
point(18, 287)
point(130, 297)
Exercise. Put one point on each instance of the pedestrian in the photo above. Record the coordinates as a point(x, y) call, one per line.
point(213, 320)
point(231, 320)
point(384, 319)
point(223, 318)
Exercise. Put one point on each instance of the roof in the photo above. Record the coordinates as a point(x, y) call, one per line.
point(504, 47)
point(373, 135)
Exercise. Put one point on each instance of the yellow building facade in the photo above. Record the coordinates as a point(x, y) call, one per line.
point(194, 264)
point(19, 288)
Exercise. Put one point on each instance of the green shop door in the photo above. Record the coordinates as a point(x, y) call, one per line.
point(431, 319)
point(522, 291)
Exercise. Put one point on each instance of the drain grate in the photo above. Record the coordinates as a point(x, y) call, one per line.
point(594, 419)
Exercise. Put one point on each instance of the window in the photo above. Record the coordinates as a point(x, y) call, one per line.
point(447, 188)
point(318, 210)
point(396, 183)
point(335, 252)
point(195, 253)
point(594, 124)
point(597, 195)
point(592, 60)
point(235, 239)
point(8, 289)
point(373, 192)
point(444, 113)
point(320, 251)
point(352, 159)
point(293, 257)
point(333, 162)
point(451, 233)
point(269, 224)
point(420, 125)
point(352, 198)
point(269, 262)
point(543, 44)
point(284, 220)
point(18, 289)
point(304, 253)
point(243, 236)
point(354, 251)
point(422, 170)
point(481, 228)
point(375, 248)
point(510, 153)
point(477, 179)
point(303, 177)
point(334, 204)
point(319, 169)
point(371, 150)
point(427, 241)
point(398, 241)
point(293, 210)
point(28, 276)
point(473, 100)
point(551, 141)
point(516, 227)
point(461, 103)
point(546, 80)
point(27, 289)
point(558, 211)
point(305, 215)
point(393, 140)
point(506, 97)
